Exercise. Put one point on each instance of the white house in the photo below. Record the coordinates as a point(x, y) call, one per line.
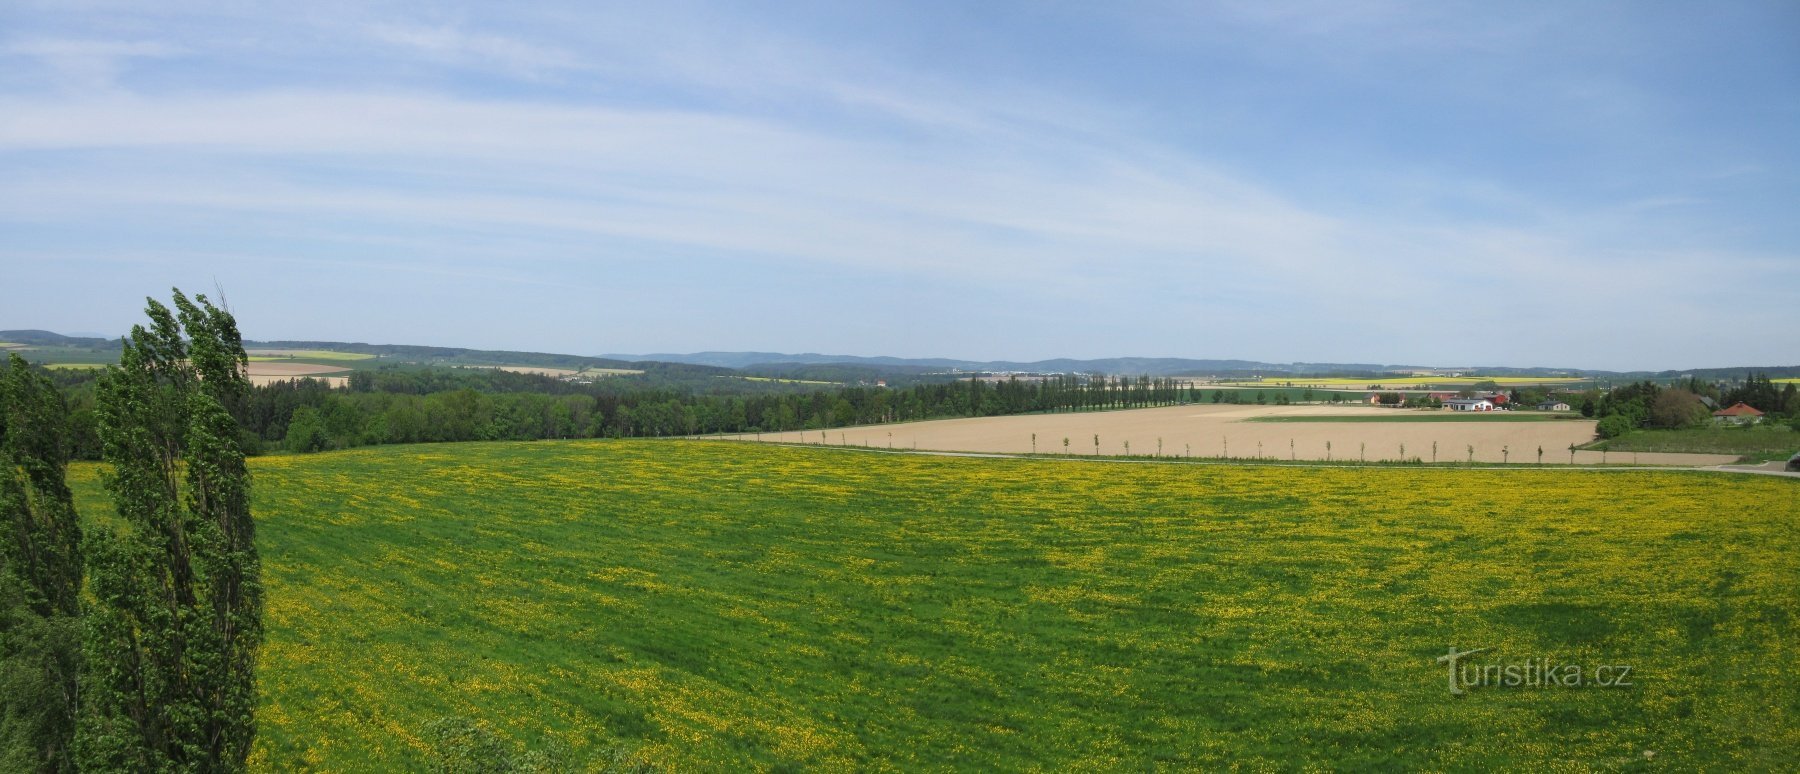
point(1469, 404)
point(1738, 414)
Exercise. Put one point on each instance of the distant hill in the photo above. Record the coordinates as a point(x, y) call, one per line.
point(449, 355)
point(854, 368)
point(1153, 366)
point(1149, 366)
point(36, 338)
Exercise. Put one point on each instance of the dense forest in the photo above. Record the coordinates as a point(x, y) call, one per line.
point(414, 405)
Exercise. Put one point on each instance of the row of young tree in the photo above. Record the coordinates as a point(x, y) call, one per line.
point(132, 649)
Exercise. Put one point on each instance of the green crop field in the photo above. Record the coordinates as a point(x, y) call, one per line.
point(69, 355)
point(723, 606)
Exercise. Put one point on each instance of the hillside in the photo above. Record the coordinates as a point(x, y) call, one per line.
point(728, 607)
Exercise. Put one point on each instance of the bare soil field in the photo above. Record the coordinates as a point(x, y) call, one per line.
point(262, 373)
point(562, 373)
point(1221, 430)
point(559, 373)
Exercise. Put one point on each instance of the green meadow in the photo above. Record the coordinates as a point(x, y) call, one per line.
point(718, 606)
point(1762, 441)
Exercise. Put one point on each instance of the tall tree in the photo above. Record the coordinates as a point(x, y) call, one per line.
point(172, 635)
point(40, 576)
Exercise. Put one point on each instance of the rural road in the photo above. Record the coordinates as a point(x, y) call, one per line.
point(1777, 468)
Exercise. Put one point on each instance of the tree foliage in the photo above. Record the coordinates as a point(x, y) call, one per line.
point(40, 576)
point(1614, 425)
point(1677, 409)
point(306, 431)
point(306, 415)
point(1758, 391)
point(171, 637)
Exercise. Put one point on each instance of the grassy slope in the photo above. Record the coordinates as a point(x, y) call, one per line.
point(736, 605)
point(1759, 440)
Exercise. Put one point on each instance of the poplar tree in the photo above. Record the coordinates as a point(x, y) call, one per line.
point(40, 576)
point(172, 634)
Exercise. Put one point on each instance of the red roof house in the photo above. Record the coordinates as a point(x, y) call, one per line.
point(1738, 410)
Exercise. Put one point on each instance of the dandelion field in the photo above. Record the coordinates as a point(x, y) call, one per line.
point(729, 606)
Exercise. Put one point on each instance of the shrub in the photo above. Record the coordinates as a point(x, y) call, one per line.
point(1614, 425)
point(306, 431)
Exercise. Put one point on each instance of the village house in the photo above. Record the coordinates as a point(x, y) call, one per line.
point(1553, 405)
point(1738, 414)
point(1469, 404)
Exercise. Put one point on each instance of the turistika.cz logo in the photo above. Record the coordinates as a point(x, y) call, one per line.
point(1530, 673)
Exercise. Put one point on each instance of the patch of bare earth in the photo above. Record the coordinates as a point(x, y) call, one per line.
point(1220, 431)
point(563, 373)
point(265, 373)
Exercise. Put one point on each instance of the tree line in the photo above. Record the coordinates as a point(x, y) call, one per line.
point(382, 406)
point(305, 416)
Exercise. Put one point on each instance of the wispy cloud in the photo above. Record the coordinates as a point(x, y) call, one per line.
point(86, 64)
point(458, 47)
point(569, 145)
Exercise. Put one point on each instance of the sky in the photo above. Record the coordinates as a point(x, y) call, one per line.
point(1593, 185)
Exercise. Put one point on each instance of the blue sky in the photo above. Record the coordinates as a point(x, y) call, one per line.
point(1603, 185)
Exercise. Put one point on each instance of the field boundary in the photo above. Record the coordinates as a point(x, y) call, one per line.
point(1270, 463)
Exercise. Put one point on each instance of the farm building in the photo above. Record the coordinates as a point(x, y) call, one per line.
point(1469, 404)
point(1739, 414)
point(1553, 405)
